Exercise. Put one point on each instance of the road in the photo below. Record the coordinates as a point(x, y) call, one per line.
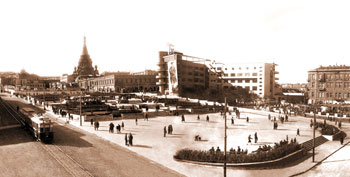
point(22, 156)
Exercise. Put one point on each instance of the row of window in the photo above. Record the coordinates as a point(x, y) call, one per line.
point(331, 95)
point(241, 74)
point(332, 85)
point(122, 80)
point(239, 68)
point(329, 77)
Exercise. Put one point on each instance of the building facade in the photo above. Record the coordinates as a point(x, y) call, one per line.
point(330, 84)
point(120, 83)
point(179, 72)
point(259, 78)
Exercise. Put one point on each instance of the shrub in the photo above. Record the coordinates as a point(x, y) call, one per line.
point(279, 150)
point(327, 129)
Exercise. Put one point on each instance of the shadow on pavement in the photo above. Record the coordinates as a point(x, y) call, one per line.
point(141, 146)
point(14, 136)
point(64, 136)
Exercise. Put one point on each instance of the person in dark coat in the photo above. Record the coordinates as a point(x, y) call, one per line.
point(92, 121)
point(207, 118)
point(255, 137)
point(247, 119)
point(341, 139)
point(147, 116)
point(198, 118)
point(126, 139)
point(249, 139)
point(136, 121)
point(111, 127)
point(164, 131)
point(97, 125)
point(298, 132)
point(232, 121)
point(130, 139)
point(123, 125)
point(183, 118)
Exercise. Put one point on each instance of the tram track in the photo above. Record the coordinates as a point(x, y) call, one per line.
point(67, 162)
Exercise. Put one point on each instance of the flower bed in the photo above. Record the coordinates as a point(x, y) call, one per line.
point(327, 129)
point(279, 150)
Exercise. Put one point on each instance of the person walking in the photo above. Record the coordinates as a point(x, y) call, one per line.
point(92, 121)
point(95, 126)
point(147, 116)
point(122, 125)
point(341, 139)
point(207, 118)
point(198, 118)
point(232, 121)
point(250, 139)
point(247, 119)
point(136, 121)
point(255, 137)
point(126, 139)
point(183, 118)
point(298, 132)
point(111, 127)
point(164, 131)
point(130, 139)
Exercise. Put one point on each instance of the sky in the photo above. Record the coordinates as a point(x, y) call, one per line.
point(46, 37)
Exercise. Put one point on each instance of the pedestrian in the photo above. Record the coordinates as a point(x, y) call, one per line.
point(122, 125)
point(126, 139)
point(339, 124)
point(147, 116)
point(249, 139)
point(269, 117)
point(92, 121)
point(287, 138)
point(207, 118)
point(198, 118)
point(130, 139)
point(169, 129)
point(164, 131)
point(311, 123)
point(97, 125)
point(136, 121)
point(341, 139)
point(298, 132)
point(247, 119)
point(232, 121)
point(255, 137)
point(286, 117)
point(183, 118)
point(111, 127)
point(118, 128)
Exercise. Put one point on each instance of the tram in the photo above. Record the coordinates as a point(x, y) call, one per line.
point(40, 126)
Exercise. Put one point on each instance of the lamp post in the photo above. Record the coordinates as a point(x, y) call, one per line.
point(80, 108)
point(225, 141)
point(313, 140)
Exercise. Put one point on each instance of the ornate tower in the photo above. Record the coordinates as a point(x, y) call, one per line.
point(85, 63)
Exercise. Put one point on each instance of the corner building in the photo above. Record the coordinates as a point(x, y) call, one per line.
point(329, 84)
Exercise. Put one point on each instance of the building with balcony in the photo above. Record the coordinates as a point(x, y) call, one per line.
point(179, 72)
point(329, 84)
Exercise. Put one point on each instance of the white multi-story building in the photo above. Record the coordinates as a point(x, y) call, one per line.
point(258, 77)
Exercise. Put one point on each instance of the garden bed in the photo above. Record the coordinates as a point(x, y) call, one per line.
point(283, 151)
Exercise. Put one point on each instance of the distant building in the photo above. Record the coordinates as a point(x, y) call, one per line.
point(85, 68)
point(329, 84)
point(298, 86)
point(120, 83)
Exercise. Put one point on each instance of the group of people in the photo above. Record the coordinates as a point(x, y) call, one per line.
point(129, 139)
point(118, 127)
point(255, 138)
point(207, 118)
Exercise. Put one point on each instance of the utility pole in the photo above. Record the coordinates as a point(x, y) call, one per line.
point(313, 140)
point(225, 139)
point(80, 109)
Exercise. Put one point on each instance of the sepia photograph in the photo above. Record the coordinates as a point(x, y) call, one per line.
point(162, 88)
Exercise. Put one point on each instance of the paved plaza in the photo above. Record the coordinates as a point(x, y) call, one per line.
point(150, 142)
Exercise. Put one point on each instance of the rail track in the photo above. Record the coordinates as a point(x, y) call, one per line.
point(67, 162)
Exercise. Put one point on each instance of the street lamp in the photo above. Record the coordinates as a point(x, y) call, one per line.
point(80, 109)
point(225, 141)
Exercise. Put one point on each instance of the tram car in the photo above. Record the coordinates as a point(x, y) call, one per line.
point(40, 126)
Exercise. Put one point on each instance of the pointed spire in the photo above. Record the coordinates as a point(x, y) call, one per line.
point(85, 51)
